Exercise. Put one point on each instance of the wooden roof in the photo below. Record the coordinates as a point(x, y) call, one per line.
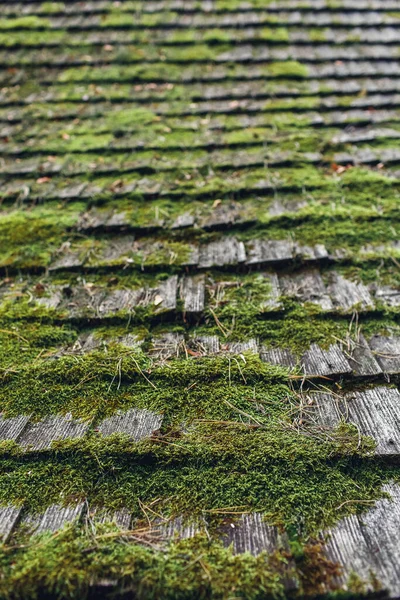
point(186, 180)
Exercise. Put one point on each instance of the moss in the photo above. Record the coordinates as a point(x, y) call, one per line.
point(382, 272)
point(52, 7)
point(296, 328)
point(29, 238)
point(318, 35)
point(32, 37)
point(63, 566)
point(117, 18)
point(28, 22)
point(276, 34)
point(213, 467)
point(129, 117)
point(103, 381)
point(289, 68)
point(233, 5)
point(24, 343)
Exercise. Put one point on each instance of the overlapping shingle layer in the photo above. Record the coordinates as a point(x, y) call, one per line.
point(184, 181)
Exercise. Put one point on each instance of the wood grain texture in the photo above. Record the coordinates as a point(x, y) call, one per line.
point(167, 345)
point(56, 516)
point(11, 428)
point(272, 301)
point(347, 295)
point(40, 435)
point(369, 545)
point(375, 412)
point(177, 528)
point(227, 251)
point(266, 252)
point(192, 293)
point(206, 344)
point(277, 356)
point(137, 424)
point(307, 286)
point(121, 517)
point(240, 347)
point(361, 358)
point(9, 516)
point(319, 362)
point(119, 300)
point(387, 295)
point(386, 350)
point(252, 534)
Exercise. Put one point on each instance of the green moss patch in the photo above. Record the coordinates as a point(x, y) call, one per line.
point(64, 564)
point(99, 383)
point(299, 481)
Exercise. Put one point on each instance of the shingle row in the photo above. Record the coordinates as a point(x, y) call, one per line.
point(35, 7)
point(36, 436)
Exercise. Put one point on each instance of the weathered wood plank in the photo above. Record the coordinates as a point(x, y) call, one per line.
point(252, 534)
point(192, 292)
point(369, 545)
point(347, 295)
point(330, 362)
point(89, 9)
point(240, 347)
point(11, 428)
point(121, 517)
point(376, 413)
point(223, 215)
point(227, 251)
point(324, 409)
point(261, 252)
point(307, 286)
point(56, 516)
point(138, 424)
point(119, 300)
point(118, 250)
point(272, 301)
point(278, 356)
point(53, 298)
point(361, 358)
point(163, 298)
point(165, 295)
point(387, 295)
point(206, 344)
point(66, 258)
point(95, 219)
point(81, 301)
point(130, 340)
point(386, 350)
point(311, 253)
point(184, 220)
point(168, 345)
point(40, 435)
point(179, 527)
point(71, 191)
point(9, 516)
